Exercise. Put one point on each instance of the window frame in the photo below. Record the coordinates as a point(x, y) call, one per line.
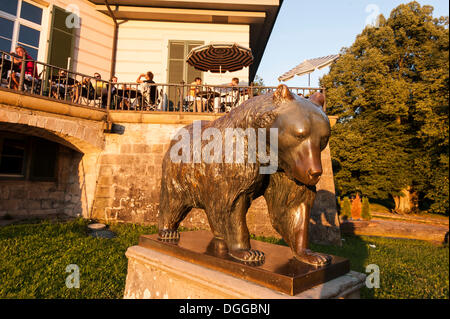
point(19, 21)
point(25, 140)
point(51, 31)
point(27, 174)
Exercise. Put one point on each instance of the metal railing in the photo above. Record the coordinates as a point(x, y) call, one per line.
point(89, 91)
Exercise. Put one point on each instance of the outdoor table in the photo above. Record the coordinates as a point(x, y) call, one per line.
point(208, 94)
point(57, 79)
point(129, 93)
point(211, 97)
point(62, 86)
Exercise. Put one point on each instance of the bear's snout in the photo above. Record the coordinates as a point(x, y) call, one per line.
point(315, 173)
point(308, 169)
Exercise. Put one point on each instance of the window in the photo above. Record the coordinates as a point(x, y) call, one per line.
point(62, 40)
point(27, 157)
point(179, 70)
point(43, 160)
point(20, 24)
point(12, 157)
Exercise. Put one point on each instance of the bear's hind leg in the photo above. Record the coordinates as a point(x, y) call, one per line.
point(171, 214)
point(236, 233)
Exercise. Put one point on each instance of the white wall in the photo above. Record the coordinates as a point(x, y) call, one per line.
point(93, 42)
point(143, 46)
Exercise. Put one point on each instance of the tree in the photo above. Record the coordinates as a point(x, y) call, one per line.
point(258, 81)
point(390, 92)
point(365, 210)
point(346, 211)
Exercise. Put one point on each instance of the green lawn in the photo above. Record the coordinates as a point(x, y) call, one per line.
point(33, 260)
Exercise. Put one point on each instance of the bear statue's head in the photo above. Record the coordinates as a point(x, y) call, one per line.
point(303, 132)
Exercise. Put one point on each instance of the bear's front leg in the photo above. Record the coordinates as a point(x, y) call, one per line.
point(289, 205)
point(236, 233)
point(299, 246)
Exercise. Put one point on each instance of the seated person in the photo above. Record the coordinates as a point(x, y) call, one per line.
point(6, 65)
point(149, 90)
point(83, 89)
point(104, 92)
point(99, 85)
point(232, 96)
point(115, 98)
point(59, 87)
point(192, 97)
point(31, 74)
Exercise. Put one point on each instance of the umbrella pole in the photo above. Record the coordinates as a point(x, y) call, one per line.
point(309, 79)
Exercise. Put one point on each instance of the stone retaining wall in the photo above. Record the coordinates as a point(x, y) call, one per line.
point(28, 199)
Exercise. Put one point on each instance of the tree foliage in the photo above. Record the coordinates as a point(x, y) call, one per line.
point(390, 93)
point(365, 210)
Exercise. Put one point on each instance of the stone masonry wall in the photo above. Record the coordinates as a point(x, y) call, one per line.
point(129, 179)
point(28, 199)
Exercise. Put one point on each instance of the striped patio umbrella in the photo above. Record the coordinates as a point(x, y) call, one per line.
point(309, 66)
point(219, 58)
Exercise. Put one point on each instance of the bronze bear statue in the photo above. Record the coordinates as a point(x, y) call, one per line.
point(225, 189)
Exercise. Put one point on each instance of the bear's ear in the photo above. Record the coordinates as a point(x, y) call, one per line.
point(281, 94)
point(265, 120)
point(317, 98)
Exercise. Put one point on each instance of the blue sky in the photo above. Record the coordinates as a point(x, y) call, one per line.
point(309, 29)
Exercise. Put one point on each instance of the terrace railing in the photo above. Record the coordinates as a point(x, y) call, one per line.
point(38, 78)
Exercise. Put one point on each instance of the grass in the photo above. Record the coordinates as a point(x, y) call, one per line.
point(408, 268)
point(34, 258)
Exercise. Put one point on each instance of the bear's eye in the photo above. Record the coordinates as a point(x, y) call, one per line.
point(300, 135)
point(323, 142)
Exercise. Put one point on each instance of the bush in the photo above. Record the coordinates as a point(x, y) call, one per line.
point(346, 208)
point(365, 210)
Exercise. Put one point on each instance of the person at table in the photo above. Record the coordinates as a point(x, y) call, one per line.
point(31, 73)
point(84, 89)
point(232, 97)
point(193, 95)
point(6, 64)
point(104, 93)
point(61, 82)
point(234, 82)
point(99, 85)
point(149, 91)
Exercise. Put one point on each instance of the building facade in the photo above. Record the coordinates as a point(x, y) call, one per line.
point(128, 38)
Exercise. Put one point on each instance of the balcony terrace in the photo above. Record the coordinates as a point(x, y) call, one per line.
point(68, 88)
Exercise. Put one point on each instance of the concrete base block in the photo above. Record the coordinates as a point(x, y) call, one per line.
point(155, 275)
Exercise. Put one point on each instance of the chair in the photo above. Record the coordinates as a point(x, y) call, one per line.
point(231, 99)
point(85, 92)
point(150, 98)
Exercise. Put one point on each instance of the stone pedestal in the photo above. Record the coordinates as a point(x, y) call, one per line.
point(155, 274)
